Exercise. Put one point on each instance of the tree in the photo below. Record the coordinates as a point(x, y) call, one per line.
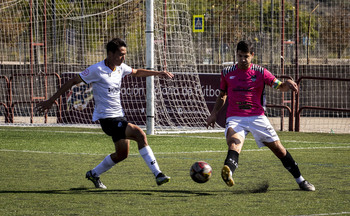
point(336, 30)
point(12, 23)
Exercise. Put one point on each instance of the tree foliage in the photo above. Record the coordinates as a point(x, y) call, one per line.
point(335, 30)
point(13, 23)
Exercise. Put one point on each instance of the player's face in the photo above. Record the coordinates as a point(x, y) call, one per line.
point(244, 59)
point(119, 56)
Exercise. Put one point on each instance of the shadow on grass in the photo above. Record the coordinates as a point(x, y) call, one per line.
point(168, 193)
point(260, 188)
point(117, 191)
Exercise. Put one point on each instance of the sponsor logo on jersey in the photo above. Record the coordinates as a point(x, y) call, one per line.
point(244, 105)
point(114, 90)
point(239, 88)
point(253, 78)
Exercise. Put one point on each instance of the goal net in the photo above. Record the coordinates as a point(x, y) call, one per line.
point(43, 43)
point(46, 44)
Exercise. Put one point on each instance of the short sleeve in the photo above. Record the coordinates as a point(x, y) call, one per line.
point(271, 80)
point(89, 75)
point(126, 69)
point(223, 84)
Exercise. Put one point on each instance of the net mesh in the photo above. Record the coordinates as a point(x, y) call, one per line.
point(43, 45)
point(179, 102)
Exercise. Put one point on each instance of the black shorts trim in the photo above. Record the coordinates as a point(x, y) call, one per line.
point(114, 127)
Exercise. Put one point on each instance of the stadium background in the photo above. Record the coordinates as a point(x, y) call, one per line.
point(42, 42)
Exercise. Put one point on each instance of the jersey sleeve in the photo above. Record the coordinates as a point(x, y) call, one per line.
point(89, 75)
point(223, 83)
point(126, 69)
point(271, 80)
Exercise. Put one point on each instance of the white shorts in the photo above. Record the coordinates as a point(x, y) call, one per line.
point(259, 126)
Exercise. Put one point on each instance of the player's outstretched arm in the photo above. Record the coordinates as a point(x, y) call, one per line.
point(288, 84)
point(47, 104)
point(146, 73)
point(220, 101)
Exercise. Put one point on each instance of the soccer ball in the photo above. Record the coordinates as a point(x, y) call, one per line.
point(200, 172)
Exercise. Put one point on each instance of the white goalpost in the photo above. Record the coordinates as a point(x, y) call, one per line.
point(150, 65)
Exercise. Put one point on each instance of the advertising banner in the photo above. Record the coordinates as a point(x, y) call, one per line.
point(78, 103)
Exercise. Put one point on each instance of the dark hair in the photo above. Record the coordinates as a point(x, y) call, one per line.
point(114, 45)
point(245, 46)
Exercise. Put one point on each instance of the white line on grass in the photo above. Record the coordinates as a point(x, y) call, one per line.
point(336, 213)
point(223, 138)
point(167, 153)
point(255, 150)
point(45, 152)
point(51, 131)
point(167, 135)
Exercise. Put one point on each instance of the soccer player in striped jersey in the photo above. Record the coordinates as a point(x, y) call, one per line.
point(243, 85)
point(106, 79)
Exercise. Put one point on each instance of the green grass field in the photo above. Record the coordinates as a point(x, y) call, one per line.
point(43, 173)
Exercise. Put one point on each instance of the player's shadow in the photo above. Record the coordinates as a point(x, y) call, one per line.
point(167, 193)
point(259, 188)
point(82, 191)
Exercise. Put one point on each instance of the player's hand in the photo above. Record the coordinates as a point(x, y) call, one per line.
point(292, 85)
point(43, 106)
point(166, 74)
point(211, 121)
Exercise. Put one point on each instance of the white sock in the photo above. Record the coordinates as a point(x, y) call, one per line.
point(148, 157)
point(105, 165)
point(300, 179)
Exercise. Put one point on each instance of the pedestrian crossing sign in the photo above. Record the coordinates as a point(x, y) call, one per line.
point(198, 23)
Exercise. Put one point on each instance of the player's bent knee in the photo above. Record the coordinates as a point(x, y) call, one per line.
point(277, 148)
point(140, 135)
point(123, 156)
point(119, 156)
point(136, 133)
